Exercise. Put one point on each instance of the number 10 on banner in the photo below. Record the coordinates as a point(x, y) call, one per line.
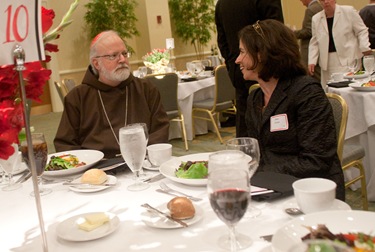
point(20, 23)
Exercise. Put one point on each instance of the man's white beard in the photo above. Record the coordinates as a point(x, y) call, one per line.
point(117, 74)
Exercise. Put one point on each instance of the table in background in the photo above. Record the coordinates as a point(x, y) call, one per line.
point(361, 128)
point(20, 231)
point(187, 93)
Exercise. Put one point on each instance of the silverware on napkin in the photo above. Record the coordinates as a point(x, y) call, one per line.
point(164, 214)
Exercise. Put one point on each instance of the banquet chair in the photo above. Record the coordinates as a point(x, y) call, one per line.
point(167, 85)
point(223, 100)
point(61, 91)
point(350, 155)
point(68, 84)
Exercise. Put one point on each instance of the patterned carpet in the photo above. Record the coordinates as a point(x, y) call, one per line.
point(48, 124)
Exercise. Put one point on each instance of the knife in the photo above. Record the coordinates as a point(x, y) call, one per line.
point(25, 176)
point(154, 178)
point(112, 166)
point(164, 214)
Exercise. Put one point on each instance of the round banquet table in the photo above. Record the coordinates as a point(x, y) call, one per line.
point(19, 229)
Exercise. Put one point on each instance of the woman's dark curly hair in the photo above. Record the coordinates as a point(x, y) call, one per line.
point(273, 48)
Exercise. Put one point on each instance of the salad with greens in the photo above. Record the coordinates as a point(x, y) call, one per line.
point(63, 162)
point(192, 170)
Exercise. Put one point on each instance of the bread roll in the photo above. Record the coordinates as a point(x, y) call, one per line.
point(94, 177)
point(181, 208)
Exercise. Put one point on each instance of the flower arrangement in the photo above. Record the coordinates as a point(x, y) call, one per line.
point(157, 60)
point(34, 76)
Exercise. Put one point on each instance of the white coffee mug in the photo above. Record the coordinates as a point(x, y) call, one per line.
point(314, 194)
point(159, 153)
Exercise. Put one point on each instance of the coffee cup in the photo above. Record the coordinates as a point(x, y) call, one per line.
point(337, 76)
point(314, 194)
point(159, 153)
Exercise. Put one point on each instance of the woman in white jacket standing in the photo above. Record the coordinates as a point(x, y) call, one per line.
point(339, 36)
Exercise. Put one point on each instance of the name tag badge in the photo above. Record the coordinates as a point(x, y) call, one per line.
point(279, 122)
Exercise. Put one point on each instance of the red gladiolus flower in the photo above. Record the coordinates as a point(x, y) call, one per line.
point(47, 19)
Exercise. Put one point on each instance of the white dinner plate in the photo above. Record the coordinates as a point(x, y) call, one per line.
point(358, 86)
point(69, 230)
point(85, 189)
point(337, 205)
point(356, 76)
point(152, 219)
point(90, 157)
point(169, 168)
point(336, 221)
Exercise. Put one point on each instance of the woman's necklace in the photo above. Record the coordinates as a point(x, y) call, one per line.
point(106, 115)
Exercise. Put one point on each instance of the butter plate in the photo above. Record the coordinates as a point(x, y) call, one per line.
point(112, 180)
point(69, 230)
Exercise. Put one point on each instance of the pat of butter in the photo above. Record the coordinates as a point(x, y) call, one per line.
point(93, 221)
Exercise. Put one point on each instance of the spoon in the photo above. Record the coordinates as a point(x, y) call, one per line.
point(167, 189)
point(293, 211)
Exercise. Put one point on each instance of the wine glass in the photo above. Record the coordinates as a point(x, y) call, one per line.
point(133, 142)
point(353, 65)
point(8, 167)
point(250, 147)
point(198, 67)
point(40, 154)
point(368, 63)
point(228, 187)
point(190, 66)
point(142, 71)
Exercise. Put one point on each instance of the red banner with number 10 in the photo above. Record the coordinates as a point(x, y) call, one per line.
point(20, 23)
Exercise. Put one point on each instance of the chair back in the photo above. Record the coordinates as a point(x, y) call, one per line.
point(68, 84)
point(60, 90)
point(340, 114)
point(167, 84)
point(253, 87)
point(225, 91)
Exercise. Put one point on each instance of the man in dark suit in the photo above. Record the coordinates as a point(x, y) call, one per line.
point(304, 34)
point(230, 17)
point(367, 13)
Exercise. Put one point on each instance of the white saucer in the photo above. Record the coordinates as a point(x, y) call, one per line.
point(148, 166)
point(111, 180)
point(69, 230)
point(337, 205)
point(154, 220)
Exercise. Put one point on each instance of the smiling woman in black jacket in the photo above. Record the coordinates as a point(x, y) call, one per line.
point(289, 114)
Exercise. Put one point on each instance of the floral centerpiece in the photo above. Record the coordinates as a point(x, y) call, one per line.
point(35, 76)
point(157, 60)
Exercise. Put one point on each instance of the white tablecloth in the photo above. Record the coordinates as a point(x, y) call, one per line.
point(361, 128)
point(187, 93)
point(19, 229)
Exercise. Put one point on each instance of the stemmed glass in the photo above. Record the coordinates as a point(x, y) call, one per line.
point(250, 147)
point(8, 167)
point(368, 63)
point(190, 66)
point(40, 154)
point(142, 71)
point(133, 142)
point(228, 186)
point(198, 67)
point(353, 65)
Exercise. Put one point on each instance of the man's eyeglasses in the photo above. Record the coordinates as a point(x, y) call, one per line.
point(115, 56)
point(259, 30)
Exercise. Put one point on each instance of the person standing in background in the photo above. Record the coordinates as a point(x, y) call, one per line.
point(367, 14)
point(230, 17)
point(339, 37)
point(304, 34)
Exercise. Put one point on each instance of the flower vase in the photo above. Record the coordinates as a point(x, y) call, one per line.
point(157, 67)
